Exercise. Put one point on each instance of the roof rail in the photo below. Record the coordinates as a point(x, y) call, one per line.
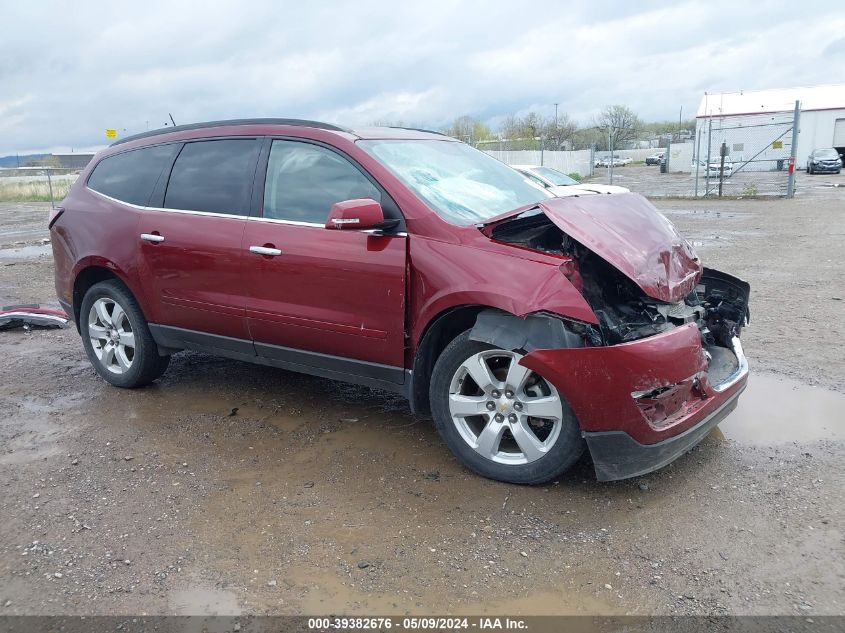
point(199, 126)
point(416, 129)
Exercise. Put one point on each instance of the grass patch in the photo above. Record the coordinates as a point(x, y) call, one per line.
point(33, 191)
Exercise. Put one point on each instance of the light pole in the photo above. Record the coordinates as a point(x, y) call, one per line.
point(555, 116)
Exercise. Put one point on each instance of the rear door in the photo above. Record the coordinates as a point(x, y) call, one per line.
point(324, 298)
point(191, 239)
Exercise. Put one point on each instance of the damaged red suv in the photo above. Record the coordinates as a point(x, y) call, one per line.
point(529, 327)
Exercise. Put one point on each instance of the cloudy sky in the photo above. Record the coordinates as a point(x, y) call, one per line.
point(68, 70)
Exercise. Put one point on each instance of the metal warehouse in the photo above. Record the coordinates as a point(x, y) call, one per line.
point(756, 126)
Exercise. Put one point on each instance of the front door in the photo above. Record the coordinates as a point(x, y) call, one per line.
point(191, 245)
point(317, 296)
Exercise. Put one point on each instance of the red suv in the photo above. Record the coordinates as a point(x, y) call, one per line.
point(530, 327)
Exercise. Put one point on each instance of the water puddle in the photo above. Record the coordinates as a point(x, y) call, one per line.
point(201, 600)
point(26, 252)
point(775, 410)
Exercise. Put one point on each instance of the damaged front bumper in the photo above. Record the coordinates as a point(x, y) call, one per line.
point(644, 403)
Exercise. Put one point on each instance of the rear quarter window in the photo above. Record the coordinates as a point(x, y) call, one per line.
point(132, 176)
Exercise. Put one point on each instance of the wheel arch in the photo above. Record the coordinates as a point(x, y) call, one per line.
point(437, 334)
point(489, 324)
point(92, 272)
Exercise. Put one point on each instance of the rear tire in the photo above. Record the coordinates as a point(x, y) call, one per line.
point(514, 428)
point(116, 337)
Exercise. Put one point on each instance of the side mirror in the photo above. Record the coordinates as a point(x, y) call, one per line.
point(361, 214)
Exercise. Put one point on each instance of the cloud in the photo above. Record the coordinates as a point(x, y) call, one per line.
point(70, 70)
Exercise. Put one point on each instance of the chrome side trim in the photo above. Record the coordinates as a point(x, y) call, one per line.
point(740, 372)
point(226, 215)
point(280, 221)
point(184, 211)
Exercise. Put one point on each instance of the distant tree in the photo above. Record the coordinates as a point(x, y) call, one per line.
point(468, 130)
point(525, 128)
point(619, 124)
point(587, 137)
point(560, 134)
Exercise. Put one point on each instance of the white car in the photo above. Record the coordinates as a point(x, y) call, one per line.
point(713, 167)
point(561, 185)
point(615, 160)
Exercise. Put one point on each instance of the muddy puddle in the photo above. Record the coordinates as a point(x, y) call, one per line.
point(201, 600)
point(775, 410)
point(27, 252)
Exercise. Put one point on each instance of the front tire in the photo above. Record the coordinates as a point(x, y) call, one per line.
point(116, 337)
point(499, 418)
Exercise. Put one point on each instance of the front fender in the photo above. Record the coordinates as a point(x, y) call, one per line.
point(447, 275)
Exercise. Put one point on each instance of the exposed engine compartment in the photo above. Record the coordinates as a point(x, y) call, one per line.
point(718, 304)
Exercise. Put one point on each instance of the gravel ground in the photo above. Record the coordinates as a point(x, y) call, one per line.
point(232, 488)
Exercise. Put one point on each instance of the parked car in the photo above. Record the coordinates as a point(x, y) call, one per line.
point(825, 160)
point(615, 160)
point(530, 327)
point(713, 167)
point(654, 159)
point(561, 185)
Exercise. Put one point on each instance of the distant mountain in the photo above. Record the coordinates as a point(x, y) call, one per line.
point(19, 161)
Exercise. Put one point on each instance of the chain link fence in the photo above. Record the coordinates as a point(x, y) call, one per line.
point(741, 156)
point(746, 155)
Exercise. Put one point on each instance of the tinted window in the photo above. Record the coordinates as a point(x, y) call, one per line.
point(213, 176)
point(131, 176)
point(305, 180)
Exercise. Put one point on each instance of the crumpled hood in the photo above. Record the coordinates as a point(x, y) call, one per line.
point(628, 232)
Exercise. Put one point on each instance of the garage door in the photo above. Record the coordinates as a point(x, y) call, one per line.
point(839, 133)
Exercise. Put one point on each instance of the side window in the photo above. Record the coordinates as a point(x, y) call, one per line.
point(213, 176)
point(132, 176)
point(305, 180)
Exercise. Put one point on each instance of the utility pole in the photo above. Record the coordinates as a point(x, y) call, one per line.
point(610, 145)
point(697, 156)
point(555, 117)
point(680, 117)
point(790, 182)
point(707, 160)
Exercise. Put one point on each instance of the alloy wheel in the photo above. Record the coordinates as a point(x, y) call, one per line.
point(503, 410)
point(112, 336)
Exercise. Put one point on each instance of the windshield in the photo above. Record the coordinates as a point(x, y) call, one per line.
point(461, 184)
point(827, 153)
point(554, 176)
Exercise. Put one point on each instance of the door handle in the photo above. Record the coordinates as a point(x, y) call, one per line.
point(151, 237)
point(265, 250)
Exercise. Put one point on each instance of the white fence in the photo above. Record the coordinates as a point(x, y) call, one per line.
point(566, 162)
point(581, 161)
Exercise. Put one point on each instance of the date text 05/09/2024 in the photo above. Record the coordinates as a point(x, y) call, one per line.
point(416, 623)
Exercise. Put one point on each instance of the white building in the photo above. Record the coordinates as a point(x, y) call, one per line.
point(756, 125)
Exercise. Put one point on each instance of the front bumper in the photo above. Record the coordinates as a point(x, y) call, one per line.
point(616, 455)
point(630, 434)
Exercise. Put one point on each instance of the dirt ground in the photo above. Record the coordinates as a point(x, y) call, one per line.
point(230, 488)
